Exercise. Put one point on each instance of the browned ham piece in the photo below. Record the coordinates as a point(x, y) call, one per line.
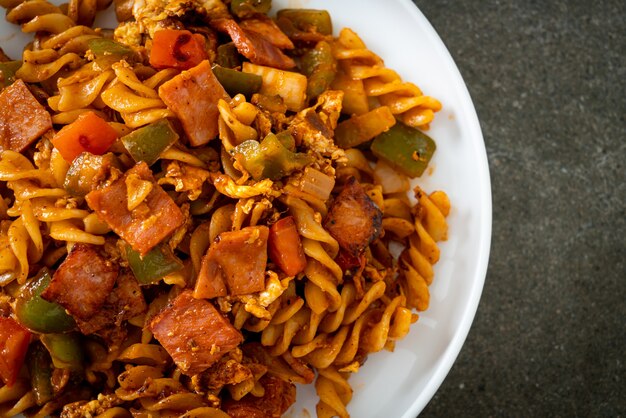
point(279, 396)
point(266, 28)
point(22, 118)
point(82, 282)
point(124, 302)
point(194, 333)
point(354, 220)
point(253, 46)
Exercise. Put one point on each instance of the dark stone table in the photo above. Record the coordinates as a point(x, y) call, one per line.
point(548, 80)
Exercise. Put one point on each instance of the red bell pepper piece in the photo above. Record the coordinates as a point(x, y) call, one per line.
point(180, 49)
point(14, 340)
point(285, 247)
point(88, 133)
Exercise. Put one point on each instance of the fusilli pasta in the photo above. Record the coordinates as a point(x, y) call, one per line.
point(181, 231)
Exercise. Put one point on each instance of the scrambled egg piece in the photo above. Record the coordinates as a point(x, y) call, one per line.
point(256, 304)
point(152, 15)
point(313, 127)
point(128, 33)
point(227, 186)
point(185, 178)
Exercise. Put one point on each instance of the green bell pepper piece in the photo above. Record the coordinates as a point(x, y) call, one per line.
point(308, 20)
point(270, 158)
point(7, 72)
point(147, 143)
point(287, 140)
point(40, 369)
point(38, 314)
point(152, 267)
point(86, 169)
point(247, 8)
point(65, 350)
point(273, 104)
point(228, 56)
point(235, 82)
point(107, 51)
point(406, 149)
point(320, 67)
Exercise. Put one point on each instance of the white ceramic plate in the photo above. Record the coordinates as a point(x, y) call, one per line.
point(400, 384)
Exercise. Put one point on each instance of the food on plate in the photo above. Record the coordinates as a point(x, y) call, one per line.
point(199, 208)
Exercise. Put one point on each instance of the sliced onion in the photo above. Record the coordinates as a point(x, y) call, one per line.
point(317, 184)
point(390, 179)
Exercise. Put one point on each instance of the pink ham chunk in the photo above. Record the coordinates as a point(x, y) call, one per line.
point(194, 333)
point(192, 96)
point(146, 225)
point(234, 264)
point(22, 118)
point(82, 282)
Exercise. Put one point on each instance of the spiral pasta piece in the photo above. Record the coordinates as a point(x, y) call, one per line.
point(127, 231)
point(236, 118)
point(71, 40)
point(42, 65)
point(138, 102)
point(423, 251)
point(16, 399)
point(404, 99)
point(334, 393)
point(80, 91)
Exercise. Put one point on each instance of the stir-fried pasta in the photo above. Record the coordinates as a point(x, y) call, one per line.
point(199, 209)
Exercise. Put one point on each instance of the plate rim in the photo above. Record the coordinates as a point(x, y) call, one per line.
point(471, 122)
point(486, 218)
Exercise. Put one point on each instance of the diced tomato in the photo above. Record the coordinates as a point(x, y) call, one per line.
point(285, 247)
point(177, 49)
point(88, 133)
point(14, 340)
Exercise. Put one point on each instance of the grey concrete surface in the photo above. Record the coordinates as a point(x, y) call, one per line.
point(548, 80)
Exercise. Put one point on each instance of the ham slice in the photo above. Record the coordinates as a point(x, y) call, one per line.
point(253, 46)
point(144, 226)
point(192, 96)
point(82, 282)
point(278, 397)
point(22, 118)
point(124, 302)
point(234, 264)
point(194, 333)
